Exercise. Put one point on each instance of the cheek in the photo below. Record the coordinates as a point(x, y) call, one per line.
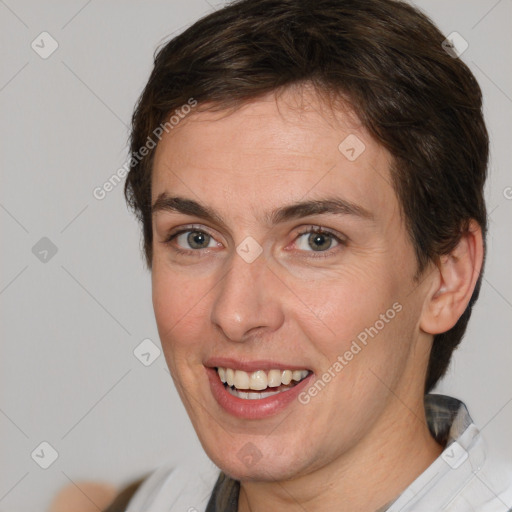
point(181, 312)
point(337, 307)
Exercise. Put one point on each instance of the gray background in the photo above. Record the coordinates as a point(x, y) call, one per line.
point(70, 324)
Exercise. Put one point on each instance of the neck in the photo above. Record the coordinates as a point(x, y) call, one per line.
point(372, 474)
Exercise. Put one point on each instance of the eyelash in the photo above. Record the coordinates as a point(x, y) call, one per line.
point(311, 229)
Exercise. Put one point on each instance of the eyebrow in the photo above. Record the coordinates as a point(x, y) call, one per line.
point(332, 205)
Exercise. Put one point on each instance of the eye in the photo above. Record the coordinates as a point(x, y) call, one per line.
point(195, 240)
point(317, 239)
point(191, 240)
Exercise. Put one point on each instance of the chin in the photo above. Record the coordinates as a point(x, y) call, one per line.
point(257, 460)
point(269, 471)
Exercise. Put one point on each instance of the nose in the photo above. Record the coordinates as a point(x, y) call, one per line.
point(247, 300)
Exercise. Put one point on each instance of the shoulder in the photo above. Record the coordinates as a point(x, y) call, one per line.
point(492, 485)
point(183, 487)
point(481, 476)
point(470, 475)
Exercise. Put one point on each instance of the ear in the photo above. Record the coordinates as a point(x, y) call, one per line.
point(456, 277)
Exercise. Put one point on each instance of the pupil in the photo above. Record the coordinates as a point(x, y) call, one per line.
point(319, 241)
point(197, 240)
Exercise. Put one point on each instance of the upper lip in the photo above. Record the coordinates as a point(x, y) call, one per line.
point(251, 366)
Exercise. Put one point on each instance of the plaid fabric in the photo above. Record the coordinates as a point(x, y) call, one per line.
point(447, 418)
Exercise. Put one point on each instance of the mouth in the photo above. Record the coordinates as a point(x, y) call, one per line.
point(255, 390)
point(259, 384)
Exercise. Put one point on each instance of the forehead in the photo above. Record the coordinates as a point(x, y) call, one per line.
point(272, 150)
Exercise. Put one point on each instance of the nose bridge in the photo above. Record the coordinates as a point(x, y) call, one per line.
point(245, 299)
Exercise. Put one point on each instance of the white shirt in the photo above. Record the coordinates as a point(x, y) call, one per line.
point(462, 479)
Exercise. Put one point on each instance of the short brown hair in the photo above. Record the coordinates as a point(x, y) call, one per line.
point(386, 59)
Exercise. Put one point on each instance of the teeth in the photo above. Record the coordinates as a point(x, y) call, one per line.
point(259, 380)
point(296, 375)
point(286, 376)
point(230, 376)
point(273, 378)
point(251, 396)
point(241, 380)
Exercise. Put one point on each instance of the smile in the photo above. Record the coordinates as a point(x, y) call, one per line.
point(260, 390)
point(259, 384)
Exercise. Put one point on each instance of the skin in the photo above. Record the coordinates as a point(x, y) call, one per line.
point(83, 497)
point(363, 439)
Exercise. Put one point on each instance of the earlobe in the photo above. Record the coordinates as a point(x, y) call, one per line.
point(457, 275)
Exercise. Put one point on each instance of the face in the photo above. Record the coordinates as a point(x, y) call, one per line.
point(280, 253)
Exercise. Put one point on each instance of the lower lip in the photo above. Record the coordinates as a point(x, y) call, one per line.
point(253, 409)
